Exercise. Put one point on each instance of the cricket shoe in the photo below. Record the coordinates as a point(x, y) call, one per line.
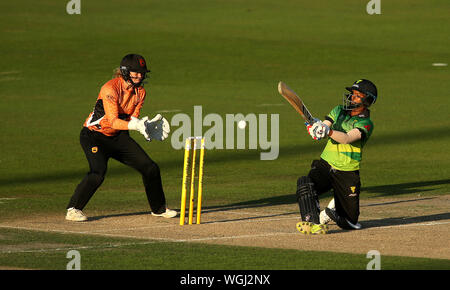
point(75, 215)
point(308, 228)
point(167, 214)
point(340, 221)
point(324, 218)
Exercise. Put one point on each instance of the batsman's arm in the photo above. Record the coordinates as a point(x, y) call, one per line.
point(344, 138)
point(338, 136)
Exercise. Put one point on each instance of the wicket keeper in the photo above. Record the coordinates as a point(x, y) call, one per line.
point(348, 128)
point(105, 135)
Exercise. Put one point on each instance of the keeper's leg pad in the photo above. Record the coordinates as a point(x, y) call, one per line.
point(308, 200)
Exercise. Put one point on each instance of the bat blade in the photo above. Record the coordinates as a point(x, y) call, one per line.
point(295, 102)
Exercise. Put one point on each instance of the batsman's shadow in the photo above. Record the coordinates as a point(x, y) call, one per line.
point(396, 221)
point(404, 221)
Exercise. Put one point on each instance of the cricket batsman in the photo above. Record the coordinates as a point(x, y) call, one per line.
point(348, 128)
point(105, 135)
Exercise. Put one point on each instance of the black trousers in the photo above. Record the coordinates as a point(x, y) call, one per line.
point(346, 186)
point(98, 149)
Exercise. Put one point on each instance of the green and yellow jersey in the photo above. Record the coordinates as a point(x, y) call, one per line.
point(347, 157)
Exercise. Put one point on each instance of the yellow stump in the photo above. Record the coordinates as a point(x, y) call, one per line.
point(192, 143)
point(200, 180)
point(183, 190)
point(192, 195)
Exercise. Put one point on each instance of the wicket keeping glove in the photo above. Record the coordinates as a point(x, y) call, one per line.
point(157, 128)
point(139, 125)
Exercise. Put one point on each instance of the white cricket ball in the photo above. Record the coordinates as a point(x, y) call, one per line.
point(242, 124)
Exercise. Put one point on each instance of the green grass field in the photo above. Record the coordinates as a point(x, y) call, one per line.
point(228, 57)
point(125, 254)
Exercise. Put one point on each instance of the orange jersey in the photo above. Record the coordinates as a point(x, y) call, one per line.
point(117, 102)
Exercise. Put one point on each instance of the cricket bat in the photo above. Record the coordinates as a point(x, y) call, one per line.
point(295, 102)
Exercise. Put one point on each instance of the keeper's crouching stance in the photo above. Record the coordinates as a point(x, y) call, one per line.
point(105, 135)
point(348, 127)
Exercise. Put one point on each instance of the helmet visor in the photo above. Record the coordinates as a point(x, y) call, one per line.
point(349, 103)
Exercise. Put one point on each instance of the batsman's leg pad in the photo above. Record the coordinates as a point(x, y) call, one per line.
point(308, 200)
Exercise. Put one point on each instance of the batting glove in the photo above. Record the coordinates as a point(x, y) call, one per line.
point(318, 130)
